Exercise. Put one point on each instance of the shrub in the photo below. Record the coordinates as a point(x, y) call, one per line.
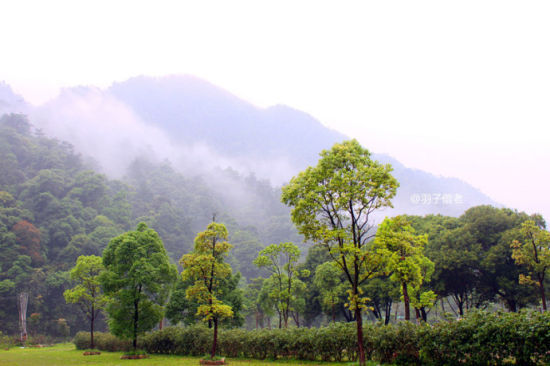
point(103, 342)
point(480, 338)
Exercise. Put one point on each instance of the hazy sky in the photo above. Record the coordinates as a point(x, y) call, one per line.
point(457, 88)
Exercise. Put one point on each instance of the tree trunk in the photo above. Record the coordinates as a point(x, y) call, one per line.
point(542, 294)
point(333, 313)
point(359, 322)
point(388, 312)
point(136, 319)
point(417, 313)
point(214, 343)
point(406, 302)
point(424, 314)
point(92, 318)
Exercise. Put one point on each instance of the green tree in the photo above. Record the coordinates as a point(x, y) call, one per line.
point(533, 253)
point(138, 276)
point(87, 293)
point(382, 292)
point(206, 268)
point(330, 285)
point(332, 205)
point(397, 241)
point(281, 260)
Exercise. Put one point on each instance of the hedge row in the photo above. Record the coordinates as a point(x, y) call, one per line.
point(481, 338)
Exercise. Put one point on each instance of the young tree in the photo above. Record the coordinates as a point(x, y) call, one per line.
point(332, 205)
point(87, 293)
point(331, 288)
point(138, 276)
point(397, 241)
point(281, 260)
point(205, 267)
point(533, 253)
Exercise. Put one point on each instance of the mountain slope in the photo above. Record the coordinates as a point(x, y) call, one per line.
point(190, 109)
point(200, 128)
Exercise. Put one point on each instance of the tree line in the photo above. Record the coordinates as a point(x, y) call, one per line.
point(55, 209)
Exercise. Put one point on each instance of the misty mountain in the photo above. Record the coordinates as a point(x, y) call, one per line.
point(200, 128)
point(11, 102)
point(191, 110)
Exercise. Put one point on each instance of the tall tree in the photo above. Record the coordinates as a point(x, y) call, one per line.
point(138, 276)
point(87, 293)
point(533, 253)
point(281, 260)
point(397, 241)
point(206, 268)
point(332, 205)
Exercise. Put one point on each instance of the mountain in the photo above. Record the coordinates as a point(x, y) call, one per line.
point(191, 110)
point(11, 102)
point(199, 127)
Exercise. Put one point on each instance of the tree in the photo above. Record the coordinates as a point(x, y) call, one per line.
point(281, 260)
point(206, 268)
point(332, 205)
point(533, 253)
point(397, 241)
point(180, 308)
point(87, 293)
point(138, 276)
point(383, 292)
point(328, 282)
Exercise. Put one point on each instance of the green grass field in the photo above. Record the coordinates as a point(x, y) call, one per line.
point(66, 354)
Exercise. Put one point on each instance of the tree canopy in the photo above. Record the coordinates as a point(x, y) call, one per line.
point(332, 204)
point(138, 277)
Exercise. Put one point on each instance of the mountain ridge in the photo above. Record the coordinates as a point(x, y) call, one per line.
point(197, 124)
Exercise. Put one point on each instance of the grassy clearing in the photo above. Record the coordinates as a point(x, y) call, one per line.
point(66, 354)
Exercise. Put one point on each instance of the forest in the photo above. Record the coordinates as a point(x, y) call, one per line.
point(287, 261)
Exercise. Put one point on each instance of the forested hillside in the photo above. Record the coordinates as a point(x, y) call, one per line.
point(200, 127)
point(55, 208)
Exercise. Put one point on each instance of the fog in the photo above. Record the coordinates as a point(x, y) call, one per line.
point(103, 128)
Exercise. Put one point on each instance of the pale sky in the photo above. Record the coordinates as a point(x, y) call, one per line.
point(457, 88)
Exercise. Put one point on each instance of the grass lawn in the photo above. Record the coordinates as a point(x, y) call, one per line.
point(66, 354)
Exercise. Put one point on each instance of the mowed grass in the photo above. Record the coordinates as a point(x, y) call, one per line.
point(66, 354)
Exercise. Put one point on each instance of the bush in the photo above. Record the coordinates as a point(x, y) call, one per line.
point(480, 338)
point(489, 338)
point(103, 342)
point(6, 342)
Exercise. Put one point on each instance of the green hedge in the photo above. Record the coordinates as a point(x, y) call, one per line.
point(481, 338)
point(103, 341)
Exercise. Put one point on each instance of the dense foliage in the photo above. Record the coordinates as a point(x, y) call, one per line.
point(55, 207)
point(480, 338)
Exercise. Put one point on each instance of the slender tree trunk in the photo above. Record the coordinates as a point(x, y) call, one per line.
point(92, 318)
point(424, 314)
point(215, 342)
point(406, 302)
point(542, 294)
point(387, 312)
point(161, 323)
point(359, 322)
point(136, 319)
point(417, 313)
point(333, 313)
